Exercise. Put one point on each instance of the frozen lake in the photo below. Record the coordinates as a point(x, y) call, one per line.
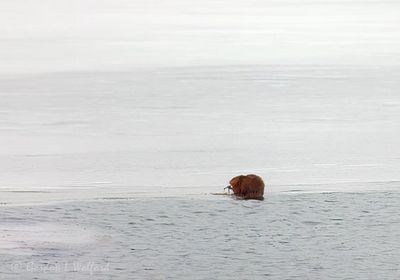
point(286, 236)
point(119, 118)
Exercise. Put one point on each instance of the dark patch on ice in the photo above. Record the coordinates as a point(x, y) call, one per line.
point(312, 223)
point(39, 155)
point(115, 198)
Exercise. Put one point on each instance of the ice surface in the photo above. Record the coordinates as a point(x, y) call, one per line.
point(189, 130)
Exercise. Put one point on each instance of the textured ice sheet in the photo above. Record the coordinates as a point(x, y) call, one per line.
point(286, 236)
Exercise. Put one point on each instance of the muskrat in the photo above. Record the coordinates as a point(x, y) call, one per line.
point(247, 186)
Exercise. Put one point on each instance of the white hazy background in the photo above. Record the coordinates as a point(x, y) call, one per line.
point(44, 36)
point(119, 98)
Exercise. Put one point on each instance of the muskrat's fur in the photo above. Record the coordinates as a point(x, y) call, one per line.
point(247, 186)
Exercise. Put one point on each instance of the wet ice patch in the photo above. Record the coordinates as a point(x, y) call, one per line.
point(22, 238)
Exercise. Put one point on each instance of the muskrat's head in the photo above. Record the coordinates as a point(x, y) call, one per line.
point(235, 181)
